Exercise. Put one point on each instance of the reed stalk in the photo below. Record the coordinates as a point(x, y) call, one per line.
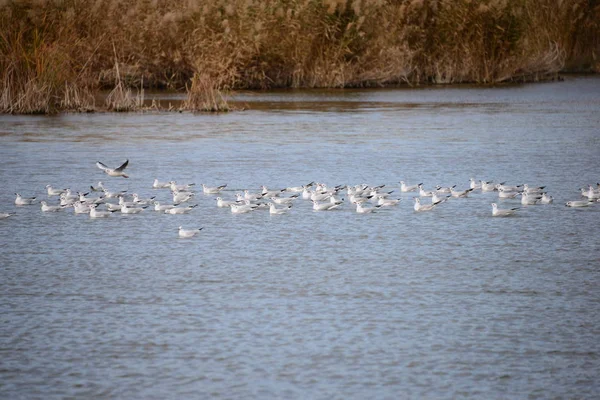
point(204, 95)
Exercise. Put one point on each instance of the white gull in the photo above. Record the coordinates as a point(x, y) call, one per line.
point(114, 171)
point(188, 233)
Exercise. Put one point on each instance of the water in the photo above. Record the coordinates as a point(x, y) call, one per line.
point(332, 305)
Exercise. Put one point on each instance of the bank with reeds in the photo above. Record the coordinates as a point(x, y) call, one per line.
point(55, 55)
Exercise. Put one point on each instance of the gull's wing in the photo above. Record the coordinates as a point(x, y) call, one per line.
point(102, 166)
point(123, 166)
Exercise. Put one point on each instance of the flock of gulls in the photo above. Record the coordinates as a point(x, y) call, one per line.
point(100, 202)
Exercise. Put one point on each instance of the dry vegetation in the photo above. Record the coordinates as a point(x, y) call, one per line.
point(54, 54)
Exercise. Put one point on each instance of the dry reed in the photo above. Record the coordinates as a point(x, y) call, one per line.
point(54, 53)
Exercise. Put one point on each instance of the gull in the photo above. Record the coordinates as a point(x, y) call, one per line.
point(141, 202)
point(122, 202)
point(440, 189)
point(473, 184)
point(258, 205)
point(114, 171)
point(274, 210)
point(180, 210)
point(113, 195)
point(423, 192)
point(408, 188)
point(160, 185)
point(487, 186)
point(271, 193)
point(361, 209)
point(54, 192)
point(591, 188)
point(182, 197)
point(321, 187)
point(284, 200)
point(376, 193)
point(358, 199)
point(178, 188)
point(99, 188)
point(6, 215)
point(497, 212)
point(69, 195)
point(80, 208)
point(578, 203)
point(212, 190)
point(320, 196)
point(98, 214)
point(113, 207)
point(358, 190)
point(131, 210)
point(460, 193)
point(517, 188)
point(423, 207)
point(242, 208)
point(47, 208)
point(83, 199)
point(529, 199)
point(528, 189)
point(239, 197)
point(436, 199)
point(334, 200)
point(188, 233)
point(67, 200)
point(251, 196)
point(306, 193)
point(546, 198)
point(503, 194)
point(590, 193)
point(298, 189)
point(382, 201)
point(24, 201)
point(323, 206)
point(162, 207)
point(223, 203)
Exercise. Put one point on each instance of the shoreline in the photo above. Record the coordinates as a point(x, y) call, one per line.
point(164, 100)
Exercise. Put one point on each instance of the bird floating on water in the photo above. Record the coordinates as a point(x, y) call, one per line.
point(188, 233)
point(498, 212)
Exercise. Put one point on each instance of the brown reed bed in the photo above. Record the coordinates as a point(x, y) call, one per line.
point(56, 54)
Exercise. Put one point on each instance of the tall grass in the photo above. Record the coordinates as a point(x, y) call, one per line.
point(54, 53)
